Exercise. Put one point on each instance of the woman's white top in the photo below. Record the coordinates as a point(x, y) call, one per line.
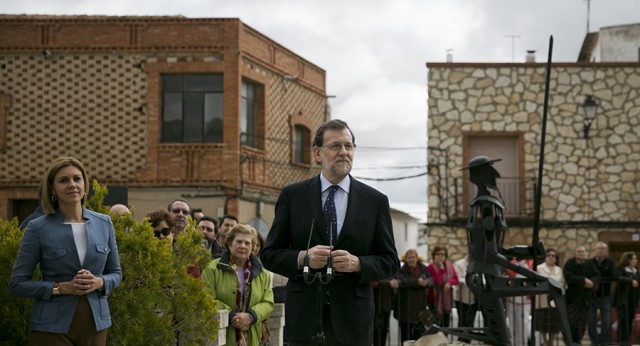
point(80, 237)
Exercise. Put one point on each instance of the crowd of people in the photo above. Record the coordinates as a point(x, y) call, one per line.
point(236, 277)
point(352, 245)
point(419, 295)
point(590, 297)
point(598, 292)
point(331, 241)
point(77, 253)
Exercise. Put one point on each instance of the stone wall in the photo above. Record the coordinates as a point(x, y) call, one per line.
point(275, 323)
point(594, 180)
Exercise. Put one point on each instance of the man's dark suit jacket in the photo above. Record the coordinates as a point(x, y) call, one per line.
point(366, 233)
point(575, 273)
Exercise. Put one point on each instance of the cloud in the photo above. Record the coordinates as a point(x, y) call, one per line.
point(375, 54)
point(388, 104)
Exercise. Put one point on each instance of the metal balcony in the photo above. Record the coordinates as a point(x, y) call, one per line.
point(453, 199)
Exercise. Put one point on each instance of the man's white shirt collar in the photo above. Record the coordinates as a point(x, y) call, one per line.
point(344, 184)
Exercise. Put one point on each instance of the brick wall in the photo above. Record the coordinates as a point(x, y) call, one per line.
point(90, 87)
point(85, 105)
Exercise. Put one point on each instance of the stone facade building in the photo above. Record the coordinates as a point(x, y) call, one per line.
point(591, 178)
point(210, 110)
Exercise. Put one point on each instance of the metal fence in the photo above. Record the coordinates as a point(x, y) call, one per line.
point(517, 194)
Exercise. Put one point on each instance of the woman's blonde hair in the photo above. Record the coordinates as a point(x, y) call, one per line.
point(409, 252)
point(241, 228)
point(49, 205)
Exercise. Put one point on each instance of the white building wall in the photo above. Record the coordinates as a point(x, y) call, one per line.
point(619, 43)
point(405, 232)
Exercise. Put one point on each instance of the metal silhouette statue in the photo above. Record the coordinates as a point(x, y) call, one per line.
point(486, 227)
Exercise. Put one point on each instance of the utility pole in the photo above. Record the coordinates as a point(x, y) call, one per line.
point(513, 45)
point(588, 13)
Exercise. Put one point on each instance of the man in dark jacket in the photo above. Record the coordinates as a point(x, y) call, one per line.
point(602, 297)
point(331, 223)
point(582, 278)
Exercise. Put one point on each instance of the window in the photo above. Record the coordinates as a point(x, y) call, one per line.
point(511, 184)
point(300, 130)
point(301, 145)
point(249, 117)
point(192, 108)
point(5, 100)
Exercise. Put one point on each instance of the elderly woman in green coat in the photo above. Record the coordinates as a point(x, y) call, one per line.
point(240, 285)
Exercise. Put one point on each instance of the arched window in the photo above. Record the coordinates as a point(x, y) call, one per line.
point(301, 145)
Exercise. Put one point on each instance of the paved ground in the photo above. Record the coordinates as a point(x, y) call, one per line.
point(438, 339)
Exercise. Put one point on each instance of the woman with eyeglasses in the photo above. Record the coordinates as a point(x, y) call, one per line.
point(545, 318)
point(76, 251)
point(440, 296)
point(625, 298)
point(162, 224)
point(240, 285)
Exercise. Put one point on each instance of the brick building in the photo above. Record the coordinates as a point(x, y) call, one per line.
point(156, 108)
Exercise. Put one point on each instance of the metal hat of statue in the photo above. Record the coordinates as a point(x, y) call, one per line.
point(479, 160)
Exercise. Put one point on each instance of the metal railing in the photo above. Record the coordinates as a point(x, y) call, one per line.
point(517, 193)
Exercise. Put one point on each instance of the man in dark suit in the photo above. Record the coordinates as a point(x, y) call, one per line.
point(582, 278)
point(337, 219)
point(601, 297)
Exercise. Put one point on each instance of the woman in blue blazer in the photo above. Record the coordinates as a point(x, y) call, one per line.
point(78, 256)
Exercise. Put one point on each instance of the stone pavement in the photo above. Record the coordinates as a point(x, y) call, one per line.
point(438, 339)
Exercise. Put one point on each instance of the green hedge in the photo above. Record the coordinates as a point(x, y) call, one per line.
point(157, 301)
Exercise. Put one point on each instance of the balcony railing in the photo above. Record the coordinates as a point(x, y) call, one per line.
point(517, 193)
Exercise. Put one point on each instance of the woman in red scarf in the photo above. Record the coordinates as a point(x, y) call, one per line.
point(440, 296)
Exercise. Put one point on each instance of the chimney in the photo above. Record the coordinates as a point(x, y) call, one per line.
point(531, 56)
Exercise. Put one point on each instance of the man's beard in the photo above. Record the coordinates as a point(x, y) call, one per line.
point(338, 169)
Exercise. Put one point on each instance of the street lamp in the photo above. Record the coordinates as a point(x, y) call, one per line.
point(589, 107)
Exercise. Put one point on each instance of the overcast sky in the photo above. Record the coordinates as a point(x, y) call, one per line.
point(375, 54)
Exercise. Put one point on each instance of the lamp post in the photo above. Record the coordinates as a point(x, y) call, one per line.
point(589, 107)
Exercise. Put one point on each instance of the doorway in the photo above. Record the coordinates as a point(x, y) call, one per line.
point(22, 208)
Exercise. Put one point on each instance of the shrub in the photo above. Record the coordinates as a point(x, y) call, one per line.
point(14, 324)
